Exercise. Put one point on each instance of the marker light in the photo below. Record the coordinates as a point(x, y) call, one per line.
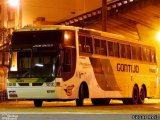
point(66, 36)
point(39, 65)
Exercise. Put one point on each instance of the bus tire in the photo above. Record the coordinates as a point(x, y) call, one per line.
point(38, 103)
point(142, 95)
point(80, 100)
point(101, 101)
point(135, 95)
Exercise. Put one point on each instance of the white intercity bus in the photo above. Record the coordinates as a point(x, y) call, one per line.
point(62, 63)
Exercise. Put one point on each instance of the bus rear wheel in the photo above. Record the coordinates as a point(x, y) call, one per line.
point(100, 101)
point(142, 95)
point(135, 95)
point(38, 103)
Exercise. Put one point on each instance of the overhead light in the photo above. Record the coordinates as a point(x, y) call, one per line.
point(158, 36)
point(13, 3)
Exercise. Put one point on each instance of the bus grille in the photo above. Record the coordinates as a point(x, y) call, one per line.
point(37, 84)
point(23, 84)
point(33, 84)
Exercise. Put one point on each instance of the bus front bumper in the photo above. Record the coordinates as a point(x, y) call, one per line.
point(36, 93)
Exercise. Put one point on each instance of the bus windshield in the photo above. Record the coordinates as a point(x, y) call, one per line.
point(37, 54)
point(30, 39)
point(39, 63)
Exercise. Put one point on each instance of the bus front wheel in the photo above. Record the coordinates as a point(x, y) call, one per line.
point(38, 103)
point(80, 100)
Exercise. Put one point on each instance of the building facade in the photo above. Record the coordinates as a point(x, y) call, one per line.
point(51, 11)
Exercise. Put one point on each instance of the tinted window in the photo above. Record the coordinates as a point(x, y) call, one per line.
point(144, 53)
point(128, 51)
point(88, 46)
point(69, 38)
point(134, 52)
point(32, 38)
point(103, 49)
point(153, 56)
point(85, 44)
point(116, 49)
point(148, 54)
point(81, 43)
point(97, 46)
point(110, 49)
point(139, 55)
point(122, 51)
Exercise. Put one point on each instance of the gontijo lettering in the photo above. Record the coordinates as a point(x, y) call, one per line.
point(127, 68)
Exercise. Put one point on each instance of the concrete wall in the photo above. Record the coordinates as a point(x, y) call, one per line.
point(52, 10)
point(55, 10)
point(87, 5)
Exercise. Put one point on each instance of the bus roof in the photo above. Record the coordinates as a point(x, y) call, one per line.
point(46, 27)
point(83, 30)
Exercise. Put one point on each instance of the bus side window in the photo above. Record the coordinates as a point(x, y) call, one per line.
point(110, 48)
point(103, 49)
point(88, 46)
point(144, 53)
point(116, 49)
point(81, 44)
point(69, 38)
point(122, 51)
point(67, 60)
point(139, 55)
point(153, 57)
point(134, 52)
point(148, 54)
point(128, 51)
point(97, 46)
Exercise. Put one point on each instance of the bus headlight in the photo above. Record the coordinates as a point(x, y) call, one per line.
point(50, 84)
point(53, 84)
point(11, 84)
